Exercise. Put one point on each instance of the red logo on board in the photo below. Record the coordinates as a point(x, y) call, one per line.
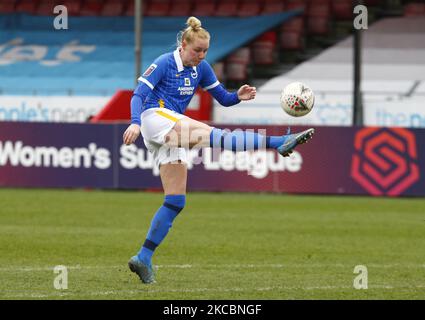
point(384, 162)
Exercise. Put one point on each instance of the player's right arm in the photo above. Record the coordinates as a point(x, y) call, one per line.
point(147, 82)
point(133, 131)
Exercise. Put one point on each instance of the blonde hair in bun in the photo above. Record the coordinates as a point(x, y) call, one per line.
point(193, 29)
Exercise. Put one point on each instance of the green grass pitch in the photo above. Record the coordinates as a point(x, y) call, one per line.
point(222, 246)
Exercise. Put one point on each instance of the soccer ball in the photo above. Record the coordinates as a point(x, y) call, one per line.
point(297, 99)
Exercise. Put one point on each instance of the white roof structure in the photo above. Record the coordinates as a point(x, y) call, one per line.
point(393, 70)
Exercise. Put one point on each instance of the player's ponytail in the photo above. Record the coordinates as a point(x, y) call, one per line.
point(193, 29)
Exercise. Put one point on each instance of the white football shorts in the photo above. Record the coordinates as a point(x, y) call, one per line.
point(156, 124)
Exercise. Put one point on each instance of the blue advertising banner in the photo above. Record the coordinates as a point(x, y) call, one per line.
point(339, 160)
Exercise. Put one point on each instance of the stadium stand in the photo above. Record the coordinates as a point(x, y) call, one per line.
point(45, 7)
point(157, 8)
point(292, 34)
point(73, 7)
point(203, 8)
point(91, 7)
point(342, 9)
point(393, 71)
point(26, 6)
point(318, 17)
point(112, 8)
point(7, 6)
point(226, 8)
point(96, 55)
point(237, 65)
point(414, 9)
point(264, 49)
point(272, 6)
point(249, 8)
point(180, 8)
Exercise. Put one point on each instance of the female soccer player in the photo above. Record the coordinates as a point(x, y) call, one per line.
point(157, 107)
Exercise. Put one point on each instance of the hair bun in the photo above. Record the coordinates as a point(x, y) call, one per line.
point(193, 30)
point(194, 23)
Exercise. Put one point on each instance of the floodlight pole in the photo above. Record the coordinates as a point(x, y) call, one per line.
point(357, 94)
point(138, 16)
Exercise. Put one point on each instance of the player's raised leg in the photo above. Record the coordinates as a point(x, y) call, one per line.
point(242, 140)
point(190, 133)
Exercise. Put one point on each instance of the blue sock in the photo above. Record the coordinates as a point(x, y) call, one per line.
point(160, 225)
point(239, 140)
point(273, 142)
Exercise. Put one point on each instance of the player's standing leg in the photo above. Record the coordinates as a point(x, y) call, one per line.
point(174, 180)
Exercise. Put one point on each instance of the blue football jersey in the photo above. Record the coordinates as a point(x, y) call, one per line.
point(173, 85)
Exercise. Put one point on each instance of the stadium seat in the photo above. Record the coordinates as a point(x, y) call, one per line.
point(291, 35)
point(318, 25)
point(272, 6)
point(249, 8)
point(112, 8)
point(295, 4)
point(218, 68)
point(46, 7)
point(241, 55)
point(414, 9)
point(26, 6)
point(318, 18)
point(73, 6)
point(129, 11)
point(7, 6)
point(237, 65)
point(158, 8)
point(180, 8)
point(295, 25)
point(91, 7)
point(291, 41)
point(204, 8)
point(342, 9)
point(236, 72)
point(264, 48)
point(372, 3)
point(226, 8)
point(318, 7)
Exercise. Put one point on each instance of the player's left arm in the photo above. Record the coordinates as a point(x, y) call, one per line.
point(246, 92)
point(216, 89)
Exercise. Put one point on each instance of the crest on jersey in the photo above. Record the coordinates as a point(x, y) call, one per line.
point(187, 82)
point(194, 74)
point(149, 70)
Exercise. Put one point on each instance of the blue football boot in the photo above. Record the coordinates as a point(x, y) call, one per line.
point(292, 140)
point(144, 271)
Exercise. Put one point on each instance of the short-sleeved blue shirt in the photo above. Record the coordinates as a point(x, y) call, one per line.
point(173, 84)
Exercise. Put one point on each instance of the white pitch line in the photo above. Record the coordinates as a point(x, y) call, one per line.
point(196, 290)
point(214, 266)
